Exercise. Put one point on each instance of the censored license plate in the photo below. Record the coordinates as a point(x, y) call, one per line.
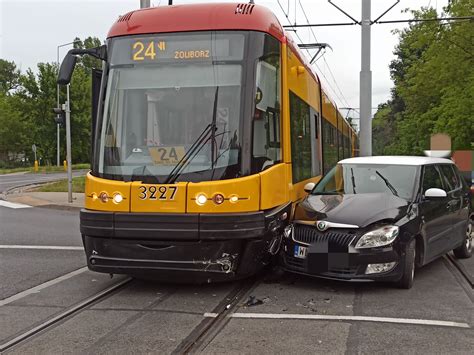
point(300, 252)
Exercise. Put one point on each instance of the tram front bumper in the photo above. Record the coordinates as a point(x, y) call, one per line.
point(179, 247)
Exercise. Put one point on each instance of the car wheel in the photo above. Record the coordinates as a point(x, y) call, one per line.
point(465, 250)
point(408, 276)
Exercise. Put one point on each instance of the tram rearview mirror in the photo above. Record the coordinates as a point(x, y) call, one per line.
point(67, 67)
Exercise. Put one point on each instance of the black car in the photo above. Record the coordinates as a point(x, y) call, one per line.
point(377, 218)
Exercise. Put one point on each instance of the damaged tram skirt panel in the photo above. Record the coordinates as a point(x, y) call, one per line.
point(206, 248)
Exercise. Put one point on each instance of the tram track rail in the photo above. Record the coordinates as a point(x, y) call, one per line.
point(461, 274)
point(210, 327)
point(56, 319)
point(462, 269)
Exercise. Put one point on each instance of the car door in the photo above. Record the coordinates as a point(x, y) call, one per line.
point(460, 205)
point(454, 203)
point(435, 215)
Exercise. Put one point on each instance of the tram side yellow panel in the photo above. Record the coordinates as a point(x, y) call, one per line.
point(301, 82)
point(274, 187)
point(158, 198)
point(96, 186)
point(240, 195)
point(298, 192)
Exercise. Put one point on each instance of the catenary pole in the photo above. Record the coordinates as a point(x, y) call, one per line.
point(58, 137)
point(365, 83)
point(68, 146)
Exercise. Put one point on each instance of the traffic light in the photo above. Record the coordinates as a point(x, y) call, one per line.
point(60, 116)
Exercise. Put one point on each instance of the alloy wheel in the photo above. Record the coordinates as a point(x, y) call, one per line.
point(469, 236)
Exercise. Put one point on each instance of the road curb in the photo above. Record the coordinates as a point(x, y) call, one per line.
point(61, 207)
point(18, 190)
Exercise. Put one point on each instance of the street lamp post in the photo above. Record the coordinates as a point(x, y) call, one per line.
point(58, 147)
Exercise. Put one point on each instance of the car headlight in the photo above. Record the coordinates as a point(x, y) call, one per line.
point(287, 231)
point(378, 237)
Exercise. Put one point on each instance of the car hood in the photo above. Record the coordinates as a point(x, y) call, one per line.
point(358, 209)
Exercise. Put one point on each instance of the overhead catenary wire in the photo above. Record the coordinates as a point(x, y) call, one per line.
point(344, 100)
point(309, 54)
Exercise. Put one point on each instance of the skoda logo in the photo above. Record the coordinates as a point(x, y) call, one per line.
point(321, 226)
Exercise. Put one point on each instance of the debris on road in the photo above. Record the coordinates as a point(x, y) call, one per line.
point(253, 301)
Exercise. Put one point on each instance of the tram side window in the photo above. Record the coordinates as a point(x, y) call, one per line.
point(266, 120)
point(330, 145)
point(340, 142)
point(347, 143)
point(300, 138)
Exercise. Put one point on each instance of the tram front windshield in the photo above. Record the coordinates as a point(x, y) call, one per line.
point(162, 94)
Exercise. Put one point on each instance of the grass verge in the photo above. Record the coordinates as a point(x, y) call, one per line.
point(78, 185)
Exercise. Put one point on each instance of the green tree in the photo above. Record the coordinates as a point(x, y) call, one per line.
point(433, 75)
point(37, 97)
point(9, 76)
point(15, 140)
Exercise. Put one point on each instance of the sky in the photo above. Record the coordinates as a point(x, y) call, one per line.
point(32, 30)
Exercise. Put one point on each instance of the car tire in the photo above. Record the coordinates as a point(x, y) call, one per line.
point(465, 250)
point(408, 275)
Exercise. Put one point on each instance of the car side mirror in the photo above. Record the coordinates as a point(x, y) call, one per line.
point(434, 192)
point(309, 187)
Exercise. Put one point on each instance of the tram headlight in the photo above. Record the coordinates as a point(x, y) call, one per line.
point(118, 197)
point(94, 196)
point(201, 199)
point(234, 199)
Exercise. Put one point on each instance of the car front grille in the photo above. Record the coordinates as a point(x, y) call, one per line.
point(308, 235)
point(300, 265)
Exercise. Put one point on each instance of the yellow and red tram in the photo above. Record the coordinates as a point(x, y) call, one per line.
point(209, 122)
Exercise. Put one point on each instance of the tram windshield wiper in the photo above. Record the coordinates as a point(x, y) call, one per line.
point(389, 185)
point(139, 173)
point(208, 133)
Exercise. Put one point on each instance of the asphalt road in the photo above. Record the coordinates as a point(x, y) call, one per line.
point(9, 181)
point(296, 314)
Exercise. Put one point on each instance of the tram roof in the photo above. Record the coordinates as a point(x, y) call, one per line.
point(198, 17)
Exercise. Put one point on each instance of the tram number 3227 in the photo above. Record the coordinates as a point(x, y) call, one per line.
point(157, 192)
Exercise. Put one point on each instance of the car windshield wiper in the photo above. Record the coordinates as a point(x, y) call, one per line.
point(353, 181)
point(208, 133)
point(325, 193)
point(389, 185)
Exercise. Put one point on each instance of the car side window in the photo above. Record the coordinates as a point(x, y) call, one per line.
point(456, 176)
point(449, 177)
point(431, 178)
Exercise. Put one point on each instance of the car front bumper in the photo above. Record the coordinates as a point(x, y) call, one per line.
point(349, 265)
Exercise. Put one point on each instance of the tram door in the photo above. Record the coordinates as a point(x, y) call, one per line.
point(315, 119)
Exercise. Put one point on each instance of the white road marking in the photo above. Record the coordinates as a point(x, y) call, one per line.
point(13, 205)
point(38, 288)
point(41, 247)
point(347, 318)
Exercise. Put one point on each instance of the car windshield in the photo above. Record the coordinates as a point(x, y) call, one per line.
point(398, 180)
point(163, 94)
